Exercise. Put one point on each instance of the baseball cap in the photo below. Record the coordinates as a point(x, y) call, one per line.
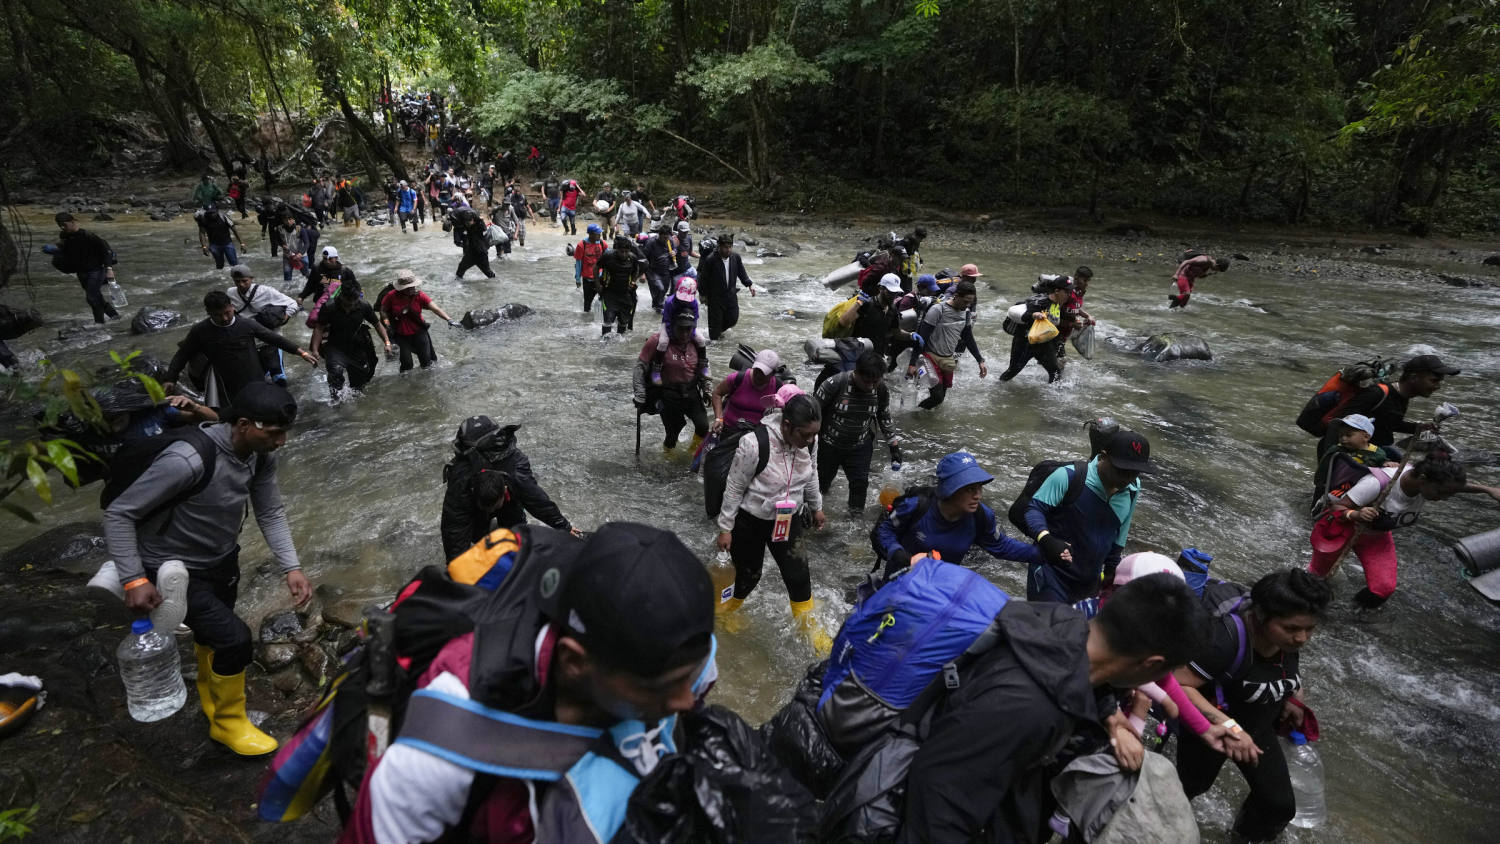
point(593, 229)
point(687, 289)
point(970, 271)
point(262, 402)
point(1143, 564)
point(636, 598)
point(766, 360)
point(1360, 422)
point(682, 226)
point(927, 281)
point(330, 252)
point(891, 282)
point(956, 471)
point(63, 217)
point(1428, 363)
point(1130, 452)
point(786, 393)
point(240, 271)
point(684, 318)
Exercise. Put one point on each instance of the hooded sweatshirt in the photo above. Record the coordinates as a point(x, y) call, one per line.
point(983, 772)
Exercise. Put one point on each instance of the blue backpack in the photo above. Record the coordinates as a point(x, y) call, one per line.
point(897, 641)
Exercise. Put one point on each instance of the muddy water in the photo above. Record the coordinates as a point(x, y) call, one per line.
point(1410, 705)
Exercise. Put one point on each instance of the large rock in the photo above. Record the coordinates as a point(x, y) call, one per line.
point(153, 321)
point(1168, 347)
point(17, 321)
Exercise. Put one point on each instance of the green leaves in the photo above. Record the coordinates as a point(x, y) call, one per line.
point(773, 67)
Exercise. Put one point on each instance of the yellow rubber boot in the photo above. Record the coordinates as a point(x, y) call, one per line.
point(205, 656)
point(697, 441)
point(729, 616)
point(230, 726)
point(810, 628)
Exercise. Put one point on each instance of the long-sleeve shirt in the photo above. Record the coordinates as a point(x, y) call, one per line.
point(465, 519)
point(261, 296)
point(205, 528)
point(82, 251)
point(790, 474)
point(945, 331)
point(230, 349)
point(911, 529)
point(1097, 525)
point(848, 411)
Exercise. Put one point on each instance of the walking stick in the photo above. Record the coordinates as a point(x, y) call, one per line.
point(1444, 412)
point(638, 415)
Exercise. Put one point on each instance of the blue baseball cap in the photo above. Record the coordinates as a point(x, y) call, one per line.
point(958, 470)
point(594, 229)
point(927, 281)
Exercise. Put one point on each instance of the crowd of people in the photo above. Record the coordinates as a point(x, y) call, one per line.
point(538, 722)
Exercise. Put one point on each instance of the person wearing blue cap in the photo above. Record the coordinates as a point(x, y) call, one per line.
point(948, 520)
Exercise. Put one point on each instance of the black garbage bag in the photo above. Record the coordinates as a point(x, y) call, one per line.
point(868, 803)
point(1167, 347)
point(480, 317)
point(150, 321)
point(725, 788)
point(17, 321)
point(797, 737)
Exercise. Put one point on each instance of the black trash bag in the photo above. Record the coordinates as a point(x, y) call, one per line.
point(726, 788)
point(1167, 347)
point(480, 317)
point(796, 736)
point(17, 321)
point(148, 321)
point(868, 803)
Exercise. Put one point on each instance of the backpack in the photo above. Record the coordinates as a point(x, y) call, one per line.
point(134, 458)
point(831, 327)
point(1224, 599)
point(1014, 316)
point(718, 460)
point(1039, 475)
point(490, 590)
point(900, 641)
point(1328, 401)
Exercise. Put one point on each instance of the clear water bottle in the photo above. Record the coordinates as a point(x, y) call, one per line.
point(1306, 770)
point(151, 671)
point(117, 294)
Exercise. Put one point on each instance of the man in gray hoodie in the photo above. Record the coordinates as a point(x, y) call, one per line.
point(150, 522)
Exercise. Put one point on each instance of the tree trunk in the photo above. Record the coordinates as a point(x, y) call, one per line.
point(182, 150)
point(382, 153)
point(22, 61)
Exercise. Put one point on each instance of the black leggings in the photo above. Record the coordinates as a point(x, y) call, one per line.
point(211, 595)
point(1022, 351)
point(677, 408)
point(856, 465)
point(480, 259)
point(747, 548)
point(1271, 804)
point(339, 362)
point(419, 344)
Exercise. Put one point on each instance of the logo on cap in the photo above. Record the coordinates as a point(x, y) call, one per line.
point(550, 579)
point(1136, 446)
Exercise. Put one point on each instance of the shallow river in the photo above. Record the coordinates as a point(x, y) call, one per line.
point(1410, 705)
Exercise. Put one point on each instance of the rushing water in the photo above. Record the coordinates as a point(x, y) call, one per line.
point(1410, 705)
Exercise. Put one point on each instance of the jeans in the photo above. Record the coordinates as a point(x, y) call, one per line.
point(856, 465)
point(93, 282)
point(223, 252)
point(747, 548)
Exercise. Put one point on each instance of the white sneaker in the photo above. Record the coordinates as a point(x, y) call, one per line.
point(171, 584)
point(107, 579)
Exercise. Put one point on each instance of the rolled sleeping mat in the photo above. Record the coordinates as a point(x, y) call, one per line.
point(1480, 553)
point(842, 276)
point(742, 358)
point(908, 319)
point(828, 350)
point(1013, 318)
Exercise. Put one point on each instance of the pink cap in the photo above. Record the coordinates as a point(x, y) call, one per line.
point(786, 394)
point(687, 290)
point(1144, 563)
point(766, 360)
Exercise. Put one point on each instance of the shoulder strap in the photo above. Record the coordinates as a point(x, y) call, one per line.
point(493, 741)
point(1076, 482)
point(763, 442)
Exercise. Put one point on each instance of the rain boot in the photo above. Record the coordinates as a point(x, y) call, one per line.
point(205, 656)
point(229, 725)
point(810, 628)
point(728, 613)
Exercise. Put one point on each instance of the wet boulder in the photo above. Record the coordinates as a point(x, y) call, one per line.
point(1492, 261)
point(480, 317)
point(154, 321)
point(1168, 347)
point(17, 321)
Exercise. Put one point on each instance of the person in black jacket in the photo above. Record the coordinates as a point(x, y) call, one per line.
point(228, 342)
point(1047, 304)
point(619, 271)
point(490, 482)
point(86, 254)
point(717, 274)
point(982, 774)
point(659, 262)
point(469, 233)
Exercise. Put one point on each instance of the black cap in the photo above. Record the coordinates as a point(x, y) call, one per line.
point(63, 217)
point(684, 318)
point(637, 599)
point(262, 402)
point(1428, 363)
point(1130, 452)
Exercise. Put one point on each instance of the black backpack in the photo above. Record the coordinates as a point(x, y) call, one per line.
point(134, 458)
point(718, 460)
point(1039, 474)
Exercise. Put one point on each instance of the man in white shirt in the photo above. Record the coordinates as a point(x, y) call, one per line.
point(267, 306)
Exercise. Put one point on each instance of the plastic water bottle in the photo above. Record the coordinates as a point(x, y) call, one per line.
point(1306, 770)
point(152, 673)
point(722, 572)
point(891, 489)
point(117, 294)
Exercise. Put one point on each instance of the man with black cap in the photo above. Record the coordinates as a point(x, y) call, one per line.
point(90, 258)
point(717, 273)
point(623, 643)
point(490, 483)
point(1092, 520)
point(1386, 404)
point(1049, 303)
point(188, 505)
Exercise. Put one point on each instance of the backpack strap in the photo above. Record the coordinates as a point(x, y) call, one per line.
point(246, 300)
point(947, 678)
point(1077, 481)
point(493, 741)
point(1228, 610)
point(208, 454)
point(763, 442)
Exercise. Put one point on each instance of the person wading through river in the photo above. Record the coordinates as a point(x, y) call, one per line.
point(342, 337)
point(229, 343)
point(490, 483)
point(143, 529)
point(945, 330)
point(403, 308)
point(671, 381)
point(90, 258)
point(717, 274)
point(267, 306)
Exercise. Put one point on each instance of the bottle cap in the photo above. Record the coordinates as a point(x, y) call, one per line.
point(1298, 738)
point(140, 625)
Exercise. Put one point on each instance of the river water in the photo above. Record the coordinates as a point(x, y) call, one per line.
point(1410, 705)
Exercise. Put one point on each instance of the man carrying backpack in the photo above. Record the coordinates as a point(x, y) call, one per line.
point(229, 342)
point(1089, 517)
point(490, 482)
point(945, 330)
point(1386, 404)
point(948, 519)
point(851, 402)
point(593, 688)
point(983, 771)
point(89, 257)
point(267, 306)
point(217, 235)
point(188, 504)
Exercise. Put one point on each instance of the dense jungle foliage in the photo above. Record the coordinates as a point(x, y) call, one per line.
point(1332, 112)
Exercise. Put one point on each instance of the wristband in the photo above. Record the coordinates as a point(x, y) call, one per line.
point(139, 581)
point(1233, 727)
point(1042, 535)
